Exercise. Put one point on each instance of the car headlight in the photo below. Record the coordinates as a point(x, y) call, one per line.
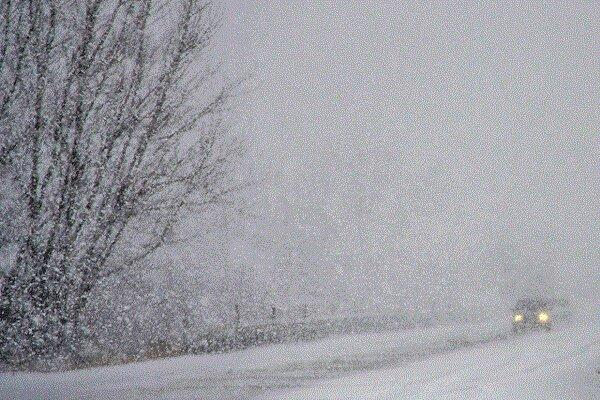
point(543, 317)
point(518, 317)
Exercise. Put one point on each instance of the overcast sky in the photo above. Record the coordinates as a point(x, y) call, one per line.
point(402, 138)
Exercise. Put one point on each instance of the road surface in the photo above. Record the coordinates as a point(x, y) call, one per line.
point(450, 361)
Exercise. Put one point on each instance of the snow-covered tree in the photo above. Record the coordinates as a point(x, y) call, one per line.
point(111, 128)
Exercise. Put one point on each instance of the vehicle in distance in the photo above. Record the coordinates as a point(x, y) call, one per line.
point(531, 314)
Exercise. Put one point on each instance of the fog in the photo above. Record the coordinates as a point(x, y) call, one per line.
point(369, 199)
point(423, 152)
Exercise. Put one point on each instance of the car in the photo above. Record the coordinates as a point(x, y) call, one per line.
point(532, 314)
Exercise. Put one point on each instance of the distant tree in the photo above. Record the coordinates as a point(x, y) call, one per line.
point(107, 137)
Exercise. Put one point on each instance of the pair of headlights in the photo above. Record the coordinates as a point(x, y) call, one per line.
point(542, 317)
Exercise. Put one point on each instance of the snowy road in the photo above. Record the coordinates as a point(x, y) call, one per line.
point(564, 364)
point(443, 362)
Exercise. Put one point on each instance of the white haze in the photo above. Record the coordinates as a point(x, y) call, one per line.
point(401, 147)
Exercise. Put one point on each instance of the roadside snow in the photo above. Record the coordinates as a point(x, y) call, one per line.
point(246, 373)
point(558, 365)
point(451, 361)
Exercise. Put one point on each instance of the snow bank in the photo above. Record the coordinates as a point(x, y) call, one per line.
point(249, 372)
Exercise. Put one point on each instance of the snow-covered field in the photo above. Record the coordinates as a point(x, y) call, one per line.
point(451, 361)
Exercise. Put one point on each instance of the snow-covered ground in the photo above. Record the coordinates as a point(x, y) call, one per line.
point(564, 364)
point(450, 361)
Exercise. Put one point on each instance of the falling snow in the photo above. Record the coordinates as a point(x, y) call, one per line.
point(261, 199)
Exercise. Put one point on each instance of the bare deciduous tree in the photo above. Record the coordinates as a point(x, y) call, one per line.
point(106, 137)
